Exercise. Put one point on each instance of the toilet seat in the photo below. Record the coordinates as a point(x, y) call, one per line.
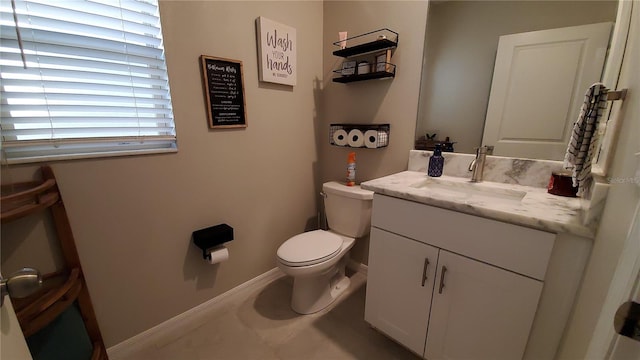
point(309, 248)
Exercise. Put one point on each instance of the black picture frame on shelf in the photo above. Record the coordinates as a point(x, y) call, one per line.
point(348, 68)
point(382, 61)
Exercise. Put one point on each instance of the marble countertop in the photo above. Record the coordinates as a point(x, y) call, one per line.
point(538, 209)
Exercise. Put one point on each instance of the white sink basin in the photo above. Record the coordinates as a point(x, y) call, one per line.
point(466, 190)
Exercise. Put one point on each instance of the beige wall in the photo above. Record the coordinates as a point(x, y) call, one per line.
point(621, 203)
point(461, 44)
point(378, 101)
point(133, 217)
point(372, 102)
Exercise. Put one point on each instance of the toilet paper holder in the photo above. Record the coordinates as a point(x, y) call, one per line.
point(209, 238)
point(382, 131)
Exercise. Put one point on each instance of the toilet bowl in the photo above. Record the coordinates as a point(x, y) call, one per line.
point(317, 259)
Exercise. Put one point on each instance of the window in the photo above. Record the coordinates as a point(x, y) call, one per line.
point(82, 79)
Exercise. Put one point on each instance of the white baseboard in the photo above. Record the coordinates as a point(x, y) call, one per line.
point(184, 322)
point(357, 267)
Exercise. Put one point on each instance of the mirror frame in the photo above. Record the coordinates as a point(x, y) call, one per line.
point(608, 129)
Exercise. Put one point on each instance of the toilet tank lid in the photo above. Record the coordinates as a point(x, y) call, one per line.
point(338, 188)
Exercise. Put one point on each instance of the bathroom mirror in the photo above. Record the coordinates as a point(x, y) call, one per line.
point(461, 43)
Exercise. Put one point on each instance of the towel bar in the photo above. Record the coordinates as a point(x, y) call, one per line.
point(616, 95)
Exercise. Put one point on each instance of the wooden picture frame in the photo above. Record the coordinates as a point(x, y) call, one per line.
point(224, 92)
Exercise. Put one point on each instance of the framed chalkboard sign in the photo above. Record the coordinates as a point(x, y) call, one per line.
point(224, 92)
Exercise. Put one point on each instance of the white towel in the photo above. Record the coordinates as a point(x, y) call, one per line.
point(584, 136)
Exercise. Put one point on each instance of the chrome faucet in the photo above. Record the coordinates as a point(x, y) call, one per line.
point(477, 165)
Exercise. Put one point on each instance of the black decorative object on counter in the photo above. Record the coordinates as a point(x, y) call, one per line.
point(429, 142)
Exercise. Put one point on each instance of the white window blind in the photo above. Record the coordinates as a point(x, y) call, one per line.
point(95, 82)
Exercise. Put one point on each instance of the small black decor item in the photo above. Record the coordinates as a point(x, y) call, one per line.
point(447, 145)
point(213, 236)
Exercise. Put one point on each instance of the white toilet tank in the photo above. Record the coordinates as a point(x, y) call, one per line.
point(348, 208)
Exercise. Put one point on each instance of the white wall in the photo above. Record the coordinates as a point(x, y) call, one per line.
point(619, 209)
point(133, 217)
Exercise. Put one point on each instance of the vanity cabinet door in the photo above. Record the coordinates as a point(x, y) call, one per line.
point(479, 311)
point(400, 281)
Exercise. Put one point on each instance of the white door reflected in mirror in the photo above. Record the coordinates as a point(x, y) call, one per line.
point(460, 51)
point(538, 86)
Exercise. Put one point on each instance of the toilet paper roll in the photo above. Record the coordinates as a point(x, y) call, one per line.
point(218, 255)
point(356, 138)
point(340, 138)
point(371, 139)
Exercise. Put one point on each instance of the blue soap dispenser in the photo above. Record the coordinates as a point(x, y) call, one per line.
point(436, 162)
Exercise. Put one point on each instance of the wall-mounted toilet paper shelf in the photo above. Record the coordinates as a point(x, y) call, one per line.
point(371, 136)
point(211, 238)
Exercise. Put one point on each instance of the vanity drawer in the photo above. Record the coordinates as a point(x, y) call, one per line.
point(512, 247)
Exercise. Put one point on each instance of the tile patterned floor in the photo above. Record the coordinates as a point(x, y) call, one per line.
point(263, 326)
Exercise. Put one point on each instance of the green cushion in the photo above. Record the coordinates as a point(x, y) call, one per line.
point(65, 338)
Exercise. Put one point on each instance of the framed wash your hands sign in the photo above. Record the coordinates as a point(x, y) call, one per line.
point(277, 48)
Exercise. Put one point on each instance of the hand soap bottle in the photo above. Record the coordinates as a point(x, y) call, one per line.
point(436, 162)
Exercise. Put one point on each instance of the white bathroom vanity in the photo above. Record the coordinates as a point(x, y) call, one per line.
point(473, 271)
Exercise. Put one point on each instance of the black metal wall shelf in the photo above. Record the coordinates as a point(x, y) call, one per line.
point(362, 49)
point(361, 77)
point(377, 40)
point(372, 136)
point(381, 42)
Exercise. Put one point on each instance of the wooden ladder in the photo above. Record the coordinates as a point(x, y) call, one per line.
point(63, 287)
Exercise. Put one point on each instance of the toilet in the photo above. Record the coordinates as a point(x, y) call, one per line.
point(317, 259)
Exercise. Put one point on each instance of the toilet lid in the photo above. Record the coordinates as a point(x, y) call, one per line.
point(309, 248)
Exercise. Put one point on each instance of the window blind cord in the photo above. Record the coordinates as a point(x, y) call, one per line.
point(5, 162)
point(46, 99)
point(133, 88)
point(15, 20)
point(43, 84)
